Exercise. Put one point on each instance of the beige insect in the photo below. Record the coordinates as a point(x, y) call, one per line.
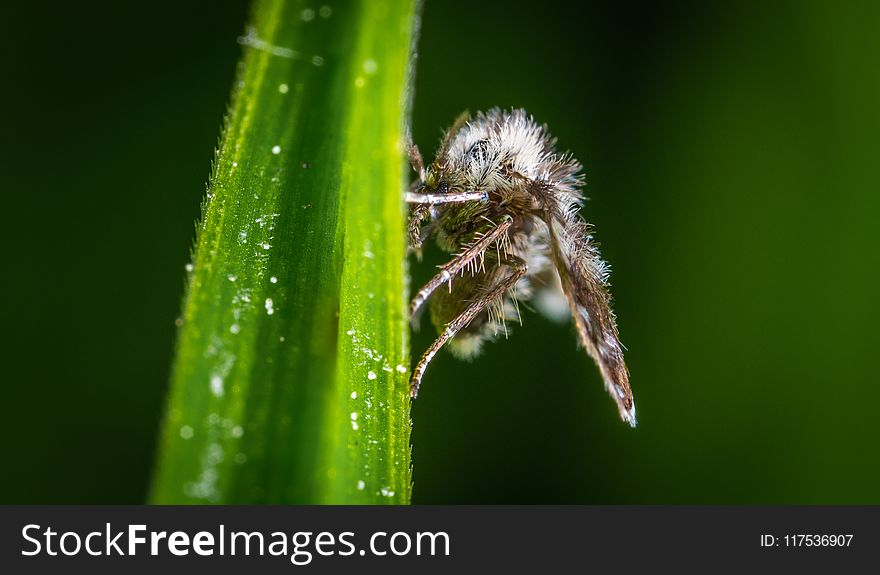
point(502, 200)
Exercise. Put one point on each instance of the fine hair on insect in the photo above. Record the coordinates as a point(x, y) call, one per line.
point(505, 203)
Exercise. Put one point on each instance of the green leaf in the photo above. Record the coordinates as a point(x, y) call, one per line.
point(290, 378)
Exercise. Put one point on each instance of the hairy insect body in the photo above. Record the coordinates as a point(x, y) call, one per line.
point(502, 200)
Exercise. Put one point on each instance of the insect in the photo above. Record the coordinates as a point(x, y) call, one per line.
point(504, 202)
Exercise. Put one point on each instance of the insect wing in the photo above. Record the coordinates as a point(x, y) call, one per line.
point(584, 280)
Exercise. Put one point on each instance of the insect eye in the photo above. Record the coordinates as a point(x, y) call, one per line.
point(442, 188)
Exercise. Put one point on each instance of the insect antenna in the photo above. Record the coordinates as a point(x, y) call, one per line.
point(460, 121)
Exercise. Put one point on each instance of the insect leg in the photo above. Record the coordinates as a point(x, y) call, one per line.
point(451, 268)
point(519, 270)
point(418, 214)
point(415, 158)
point(436, 199)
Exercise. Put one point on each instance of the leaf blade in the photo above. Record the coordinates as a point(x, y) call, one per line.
point(260, 407)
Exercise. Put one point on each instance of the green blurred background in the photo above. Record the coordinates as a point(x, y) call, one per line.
point(732, 164)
